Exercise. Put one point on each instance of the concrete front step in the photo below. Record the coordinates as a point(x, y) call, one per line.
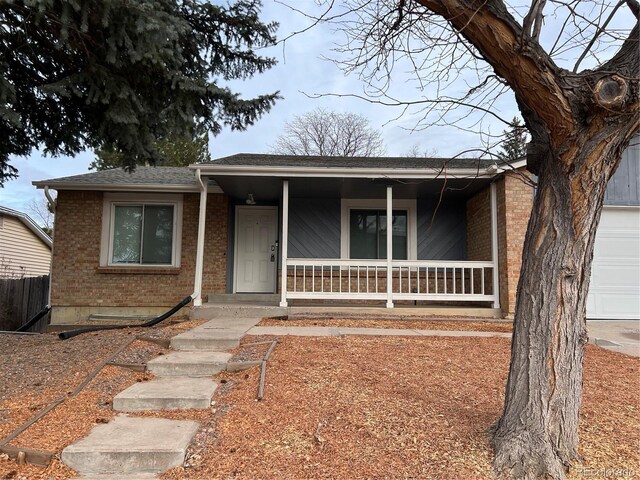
point(235, 310)
point(254, 298)
point(200, 339)
point(169, 393)
point(201, 363)
point(127, 446)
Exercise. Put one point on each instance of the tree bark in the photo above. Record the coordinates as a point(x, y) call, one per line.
point(537, 436)
point(580, 124)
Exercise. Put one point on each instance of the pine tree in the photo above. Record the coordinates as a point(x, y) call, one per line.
point(174, 151)
point(514, 145)
point(78, 74)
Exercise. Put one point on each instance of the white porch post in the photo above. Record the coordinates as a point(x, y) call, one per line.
point(197, 289)
point(389, 246)
point(494, 246)
point(284, 241)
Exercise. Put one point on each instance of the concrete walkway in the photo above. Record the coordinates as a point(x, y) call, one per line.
point(130, 447)
point(616, 335)
point(338, 331)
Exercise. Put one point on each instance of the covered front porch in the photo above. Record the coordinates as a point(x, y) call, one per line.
point(322, 240)
point(398, 275)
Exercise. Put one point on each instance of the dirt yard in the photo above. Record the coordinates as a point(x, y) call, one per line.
point(339, 407)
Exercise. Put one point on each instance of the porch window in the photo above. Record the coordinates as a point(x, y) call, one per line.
point(368, 234)
point(142, 234)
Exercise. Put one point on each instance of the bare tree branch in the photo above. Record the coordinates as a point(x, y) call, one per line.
point(532, 23)
point(600, 30)
point(391, 102)
point(325, 133)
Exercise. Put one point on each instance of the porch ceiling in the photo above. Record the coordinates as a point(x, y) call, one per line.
point(270, 188)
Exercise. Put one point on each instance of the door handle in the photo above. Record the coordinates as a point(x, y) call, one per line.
point(273, 257)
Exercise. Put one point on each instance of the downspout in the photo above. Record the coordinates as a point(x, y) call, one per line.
point(53, 204)
point(197, 284)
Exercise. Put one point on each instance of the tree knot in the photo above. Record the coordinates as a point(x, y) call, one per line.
point(610, 91)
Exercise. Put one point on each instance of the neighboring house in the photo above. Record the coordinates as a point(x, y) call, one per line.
point(249, 223)
point(25, 249)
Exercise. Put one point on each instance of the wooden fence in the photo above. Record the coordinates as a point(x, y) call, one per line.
point(21, 299)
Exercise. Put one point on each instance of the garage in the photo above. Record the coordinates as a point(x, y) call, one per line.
point(614, 292)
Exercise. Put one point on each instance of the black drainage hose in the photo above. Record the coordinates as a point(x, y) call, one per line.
point(150, 323)
point(30, 323)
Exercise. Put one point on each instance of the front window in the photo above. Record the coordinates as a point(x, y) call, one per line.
point(142, 234)
point(368, 234)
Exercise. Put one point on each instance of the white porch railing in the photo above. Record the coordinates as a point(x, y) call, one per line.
point(411, 280)
point(436, 280)
point(333, 278)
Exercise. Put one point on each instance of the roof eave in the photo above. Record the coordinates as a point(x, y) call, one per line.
point(329, 172)
point(513, 166)
point(115, 187)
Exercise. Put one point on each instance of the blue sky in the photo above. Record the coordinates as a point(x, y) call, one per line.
point(301, 71)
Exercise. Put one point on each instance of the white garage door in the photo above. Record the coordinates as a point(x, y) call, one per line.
point(614, 292)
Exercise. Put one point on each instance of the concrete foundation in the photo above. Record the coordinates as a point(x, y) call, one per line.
point(61, 315)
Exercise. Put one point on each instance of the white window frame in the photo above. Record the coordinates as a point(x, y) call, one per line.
point(111, 200)
point(348, 204)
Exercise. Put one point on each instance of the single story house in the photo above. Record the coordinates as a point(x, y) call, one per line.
point(296, 228)
point(25, 249)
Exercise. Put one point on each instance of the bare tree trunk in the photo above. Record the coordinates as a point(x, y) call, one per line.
point(537, 436)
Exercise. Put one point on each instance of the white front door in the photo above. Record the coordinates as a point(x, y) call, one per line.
point(256, 252)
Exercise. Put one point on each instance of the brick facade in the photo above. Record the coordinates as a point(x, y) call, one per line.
point(80, 286)
point(515, 200)
point(479, 226)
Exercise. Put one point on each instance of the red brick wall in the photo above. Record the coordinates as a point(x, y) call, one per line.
point(77, 280)
point(479, 226)
point(515, 200)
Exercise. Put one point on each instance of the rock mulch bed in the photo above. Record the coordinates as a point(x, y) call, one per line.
point(425, 324)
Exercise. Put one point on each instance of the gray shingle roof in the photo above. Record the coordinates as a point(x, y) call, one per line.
point(264, 160)
point(118, 176)
point(184, 178)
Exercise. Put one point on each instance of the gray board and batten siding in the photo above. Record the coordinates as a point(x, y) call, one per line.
point(624, 186)
point(442, 229)
point(314, 228)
